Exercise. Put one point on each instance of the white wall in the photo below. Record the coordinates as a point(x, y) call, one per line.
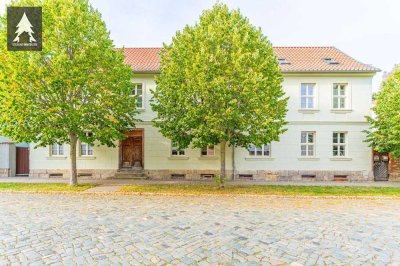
point(360, 94)
point(285, 154)
point(103, 158)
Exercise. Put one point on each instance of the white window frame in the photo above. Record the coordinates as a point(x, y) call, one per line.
point(87, 148)
point(140, 96)
point(83, 146)
point(308, 146)
point(208, 151)
point(59, 150)
point(179, 152)
point(261, 151)
point(341, 97)
point(308, 96)
point(339, 144)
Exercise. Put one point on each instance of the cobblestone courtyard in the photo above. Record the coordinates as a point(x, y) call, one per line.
point(87, 229)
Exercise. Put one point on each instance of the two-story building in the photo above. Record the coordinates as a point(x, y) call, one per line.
point(329, 96)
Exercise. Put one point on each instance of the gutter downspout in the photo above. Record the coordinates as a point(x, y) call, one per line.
point(233, 162)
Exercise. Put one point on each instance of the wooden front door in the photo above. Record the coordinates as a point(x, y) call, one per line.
point(22, 161)
point(132, 152)
point(381, 166)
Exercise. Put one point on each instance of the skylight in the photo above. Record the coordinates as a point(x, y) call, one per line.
point(330, 61)
point(283, 61)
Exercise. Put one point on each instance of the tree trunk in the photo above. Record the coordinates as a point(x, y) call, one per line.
point(223, 172)
point(72, 142)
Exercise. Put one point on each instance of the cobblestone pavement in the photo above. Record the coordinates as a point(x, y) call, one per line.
point(111, 230)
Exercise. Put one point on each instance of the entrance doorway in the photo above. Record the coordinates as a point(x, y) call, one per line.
point(131, 155)
point(22, 161)
point(381, 166)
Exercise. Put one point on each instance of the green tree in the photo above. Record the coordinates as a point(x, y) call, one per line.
point(77, 84)
point(384, 133)
point(220, 83)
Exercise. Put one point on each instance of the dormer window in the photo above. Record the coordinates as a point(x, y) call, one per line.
point(330, 61)
point(283, 61)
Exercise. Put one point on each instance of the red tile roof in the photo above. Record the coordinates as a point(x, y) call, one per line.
point(300, 59)
point(143, 59)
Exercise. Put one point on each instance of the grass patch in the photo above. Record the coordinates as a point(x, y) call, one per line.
point(40, 187)
point(198, 189)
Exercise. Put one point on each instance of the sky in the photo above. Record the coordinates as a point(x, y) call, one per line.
point(367, 30)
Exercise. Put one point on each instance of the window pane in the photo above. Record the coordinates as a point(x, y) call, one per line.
point(174, 151)
point(252, 150)
point(342, 90)
point(303, 150)
point(310, 150)
point(310, 103)
point(204, 151)
point(61, 150)
point(335, 150)
point(303, 137)
point(181, 152)
point(335, 102)
point(54, 150)
point(342, 138)
point(303, 102)
point(303, 89)
point(90, 150)
point(342, 151)
point(311, 89)
point(310, 138)
point(335, 90)
point(335, 137)
point(259, 151)
point(266, 150)
point(342, 103)
point(83, 149)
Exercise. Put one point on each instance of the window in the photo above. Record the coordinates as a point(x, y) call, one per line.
point(263, 150)
point(339, 144)
point(57, 150)
point(330, 61)
point(283, 61)
point(207, 151)
point(86, 149)
point(138, 91)
point(176, 151)
point(339, 96)
point(307, 144)
point(307, 96)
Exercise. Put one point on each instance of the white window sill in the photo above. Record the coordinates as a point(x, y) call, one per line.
point(341, 111)
point(87, 157)
point(338, 158)
point(308, 111)
point(259, 158)
point(178, 157)
point(308, 159)
point(208, 157)
point(56, 157)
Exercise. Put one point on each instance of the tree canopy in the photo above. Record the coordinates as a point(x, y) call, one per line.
point(220, 83)
point(77, 84)
point(384, 134)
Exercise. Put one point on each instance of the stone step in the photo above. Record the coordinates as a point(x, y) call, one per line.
point(130, 175)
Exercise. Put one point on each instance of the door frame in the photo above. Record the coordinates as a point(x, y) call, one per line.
point(137, 132)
